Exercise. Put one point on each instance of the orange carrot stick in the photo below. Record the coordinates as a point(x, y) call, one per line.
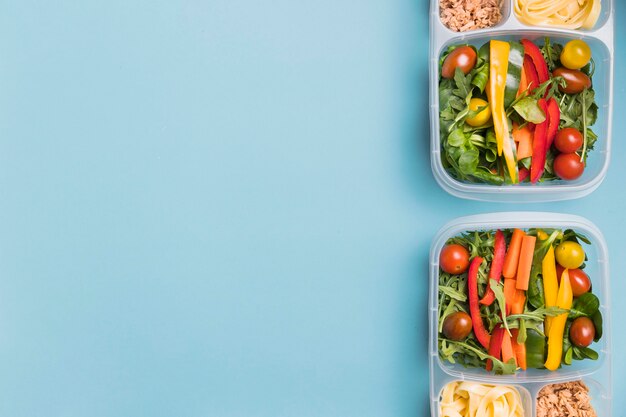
point(525, 262)
point(518, 302)
point(524, 139)
point(519, 349)
point(507, 349)
point(509, 294)
point(511, 259)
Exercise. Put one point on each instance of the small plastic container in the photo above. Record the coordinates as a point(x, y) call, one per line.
point(600, 40)
point(595, 374)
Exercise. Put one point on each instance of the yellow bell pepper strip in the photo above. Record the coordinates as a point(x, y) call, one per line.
point(550, 283)
point(557, 328)
point(498, 67)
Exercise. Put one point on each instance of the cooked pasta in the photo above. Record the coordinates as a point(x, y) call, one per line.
point(471, 399)
point(569, 14)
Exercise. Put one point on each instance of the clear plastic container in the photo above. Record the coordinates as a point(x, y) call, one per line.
point(600, 40)
point(595, 374)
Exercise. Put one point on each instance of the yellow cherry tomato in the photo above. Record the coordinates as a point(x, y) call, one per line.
point(481, 118)
point(576, 54)
point(570, 255)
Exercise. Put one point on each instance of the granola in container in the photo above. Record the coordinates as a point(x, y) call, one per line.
point(464, 15)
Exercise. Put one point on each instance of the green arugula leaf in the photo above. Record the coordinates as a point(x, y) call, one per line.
point(499, 367)
point(522, 334)
point(538, 315)
point(453, 293)
point(529, 110)
point(498, 290)
point(447, 114)
point(463, 84)
point(481, 76)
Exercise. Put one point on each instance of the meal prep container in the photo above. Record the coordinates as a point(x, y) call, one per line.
point(600, 40)
point(595, 374)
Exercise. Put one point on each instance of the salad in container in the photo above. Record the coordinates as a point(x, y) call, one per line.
point(521, 95)
point(519, 317)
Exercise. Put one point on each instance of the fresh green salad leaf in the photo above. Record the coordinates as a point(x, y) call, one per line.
point(482, 164)
point(584, 306)
point(597, 323)
point(530, 110)
point(453, 297)
point(581, 353)
point(453, 348)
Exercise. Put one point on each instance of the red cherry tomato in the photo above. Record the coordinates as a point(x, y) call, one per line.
point(457, 326)
point(580, 282)
point(568, 166)
point(454, 259)
point(575, 80)
point(578, 278)
point(568, 140)
point(582, 332)
point(463, 57)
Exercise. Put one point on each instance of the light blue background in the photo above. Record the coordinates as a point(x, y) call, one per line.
point(224, 208)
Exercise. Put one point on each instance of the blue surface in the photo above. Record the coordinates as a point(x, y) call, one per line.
point(224, 208)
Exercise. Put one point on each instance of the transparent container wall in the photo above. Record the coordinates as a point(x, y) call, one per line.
point(600, 40)
point(596, 268)
point(595, 374)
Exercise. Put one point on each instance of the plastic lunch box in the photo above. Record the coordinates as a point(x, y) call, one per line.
point(600, 39)
point(595, 374)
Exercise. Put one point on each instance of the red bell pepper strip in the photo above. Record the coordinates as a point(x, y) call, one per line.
point(540, 140)
point(480, 332)
point(495, 273)
point(534, 53)
point(523, 174)
point(531, 73)
point(554, 117)
point(495, 347)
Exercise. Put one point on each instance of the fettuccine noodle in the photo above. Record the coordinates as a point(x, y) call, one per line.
point(471, 399)
point(569, 14)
